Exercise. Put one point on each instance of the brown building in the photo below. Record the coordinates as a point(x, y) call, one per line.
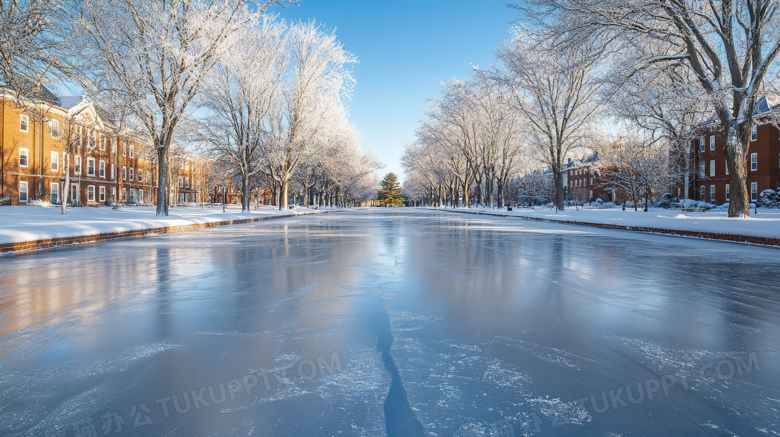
point(103, 167)
point(710, 182)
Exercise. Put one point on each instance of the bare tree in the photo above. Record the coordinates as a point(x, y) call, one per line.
point(729, 45)
point(157, 54)
point(555, 91)
point(240, 94)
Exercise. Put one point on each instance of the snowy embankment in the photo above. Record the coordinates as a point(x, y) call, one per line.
point(31, 223)
point(765, 224)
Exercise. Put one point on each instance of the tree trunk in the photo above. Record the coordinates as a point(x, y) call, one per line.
point(558, 175)
point(647, 199)
point(64, 191)
point(736, 160)
point(284, 203)
point(244, 192)
point(162, 181)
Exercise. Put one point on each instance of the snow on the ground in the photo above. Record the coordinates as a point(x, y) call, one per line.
point(30, 223)
point(764, 224)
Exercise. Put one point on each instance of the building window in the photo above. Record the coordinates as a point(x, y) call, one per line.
point(712, 142)
point(102, 169)
point(712, 168)
point(24, 123)
point(113, 193)
point(23, 192)
point(753, 161)
point(124, 194)
point(90, 166)
point(701, 195)
point(113, 145)
point(712, 193)
point(141, 195)
point(55, 192)
point(753, 191)
point(77, 164)
point(140, 175)
point(187, 182)
point(90, 193)
point(24, 155)
point(132, 151)
point(124, 173)
point(55, 161)
point(754, 133)
point(54, 128)
point(728, 193)
point(102, 194)
point(124, 148)
point(701, 145)
point(113, 172)
point(132, 174)
point(727, 168)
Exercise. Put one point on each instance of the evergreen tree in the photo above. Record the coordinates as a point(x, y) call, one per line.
point(390, 194)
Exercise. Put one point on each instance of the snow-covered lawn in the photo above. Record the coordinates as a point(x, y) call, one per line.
point(764, 224)
point(30, 223)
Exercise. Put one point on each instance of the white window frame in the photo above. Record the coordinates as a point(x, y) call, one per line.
point(132, 151)
point(712, 193)
point(141, 195)
point(77, 164)
point(712, 168)
point(54, 128)
point(727, 168)
point(113, 145)
point(26, 153)
point(132, 174)
point(102, 169)
point(186, 182)
point(754, 133)
point(140, 175)
point(90, 168)
point(24, 188)
point(124, 194)
point(113, 172)
point(113, 194)
point(754, 162)
point(90, 193)
point(102, 193)
point(712, 142)
point(702, 193)
point(54, 189)
point(54, 161)
point(124, 148)
point(701, 145)
point(124, 173)
point(24, 123)
point(753, 191)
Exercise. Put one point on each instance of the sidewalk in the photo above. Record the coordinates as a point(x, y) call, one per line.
point(31, 227)
point(763, 229)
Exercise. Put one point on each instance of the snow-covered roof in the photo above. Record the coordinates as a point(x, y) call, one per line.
point(70, 102)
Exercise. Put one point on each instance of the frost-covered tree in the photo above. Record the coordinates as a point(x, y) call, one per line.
point(730, 46)
point(311, 110)
point(157, 53)
point(555, 91)
point(240, 94)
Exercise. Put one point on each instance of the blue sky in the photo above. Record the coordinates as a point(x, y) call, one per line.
point(406, 48)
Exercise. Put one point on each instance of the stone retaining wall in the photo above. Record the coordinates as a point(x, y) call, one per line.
point(52, 242)
point(748, 239)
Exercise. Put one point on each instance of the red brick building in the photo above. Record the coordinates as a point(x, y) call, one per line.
point(103, 167)
point(710, 181)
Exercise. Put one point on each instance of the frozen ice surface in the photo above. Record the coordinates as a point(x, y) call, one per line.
point(440, 325)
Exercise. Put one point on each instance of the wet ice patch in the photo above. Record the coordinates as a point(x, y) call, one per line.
point(549, 354)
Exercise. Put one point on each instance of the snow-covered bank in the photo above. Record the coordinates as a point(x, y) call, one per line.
point(765, 224)
point(29, 223)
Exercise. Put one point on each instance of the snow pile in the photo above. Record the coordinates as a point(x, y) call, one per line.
point(23, 223)
point(765, 223)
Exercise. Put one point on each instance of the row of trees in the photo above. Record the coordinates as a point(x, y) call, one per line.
point(264, 98)
point(574, 68)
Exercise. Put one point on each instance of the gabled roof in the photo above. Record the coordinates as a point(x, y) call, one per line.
point(37, 91)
